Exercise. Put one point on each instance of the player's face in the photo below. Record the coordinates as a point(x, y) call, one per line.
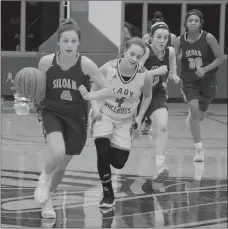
point(193, 23)
point(160, 39)
point(133, 55)
point(69, 42)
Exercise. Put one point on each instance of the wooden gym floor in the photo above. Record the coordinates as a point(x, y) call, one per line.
point(181, 201)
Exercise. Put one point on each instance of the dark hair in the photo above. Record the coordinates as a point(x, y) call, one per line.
point(67, 25)
point(197, 13)
point(158, 17)
point(127, 44)
point(158, 25)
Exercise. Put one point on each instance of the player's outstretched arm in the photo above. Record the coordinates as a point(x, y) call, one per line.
point(91, 69)
point(94, 103)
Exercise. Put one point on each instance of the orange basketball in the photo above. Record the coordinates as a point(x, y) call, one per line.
point(30, 83)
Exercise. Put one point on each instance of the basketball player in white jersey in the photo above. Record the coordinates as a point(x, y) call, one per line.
point(115, 119)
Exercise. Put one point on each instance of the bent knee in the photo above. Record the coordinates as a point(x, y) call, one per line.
point(59, 152)
point(194, 107)
point(118, 165)
point(163, 128)
point(201, 116)
point(56, 144)
point(119, 157)
point(194, 114)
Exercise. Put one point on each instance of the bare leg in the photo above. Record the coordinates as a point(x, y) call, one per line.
point(59, 173)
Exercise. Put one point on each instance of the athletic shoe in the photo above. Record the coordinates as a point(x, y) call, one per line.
point(108, 200)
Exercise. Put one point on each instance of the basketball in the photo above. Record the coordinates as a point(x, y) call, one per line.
point(30, 83)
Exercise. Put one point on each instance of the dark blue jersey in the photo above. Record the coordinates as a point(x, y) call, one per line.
point(62, 94)
point(197, 54)
point(154, 62)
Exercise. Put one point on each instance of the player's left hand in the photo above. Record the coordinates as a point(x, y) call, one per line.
point(97, 115)
point(200, 72)
point(165, 85)
point(175, 78)
point(85, 94)
point(137, 126)
point(13, 86)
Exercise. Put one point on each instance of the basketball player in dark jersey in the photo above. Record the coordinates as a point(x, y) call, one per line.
point(172, 41)
point(63, 111)
point(200, 56)
point(158, 55)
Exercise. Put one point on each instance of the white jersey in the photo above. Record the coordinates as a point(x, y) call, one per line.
point(127, 93)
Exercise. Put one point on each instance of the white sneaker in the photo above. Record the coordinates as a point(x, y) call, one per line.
point(48, 211)
point(199, 170)
point(199, 155)
point(147, 128)
point(162, 174)
point(42, 192)
point(47, 223)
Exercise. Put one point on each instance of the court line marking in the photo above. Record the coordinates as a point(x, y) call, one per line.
point(201, 223)
point(118, 216)
point(70, 206)
point(213, 119)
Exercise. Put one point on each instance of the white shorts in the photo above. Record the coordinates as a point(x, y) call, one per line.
point(121, 131)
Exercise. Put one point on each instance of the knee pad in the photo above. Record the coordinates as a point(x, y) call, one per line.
point(103, 158)
point(118, 157)
point(102, 144)
point(103, 148)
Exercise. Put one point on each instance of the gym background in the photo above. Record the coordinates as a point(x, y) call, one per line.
point(28, 31)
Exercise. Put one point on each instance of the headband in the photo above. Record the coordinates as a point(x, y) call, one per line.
point(198, 14)
point(158, 25)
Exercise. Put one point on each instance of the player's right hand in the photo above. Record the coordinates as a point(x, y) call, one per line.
point(84, 92)
point(162, 70)
point(96, 115)
point(137, 127)
point(13, 87)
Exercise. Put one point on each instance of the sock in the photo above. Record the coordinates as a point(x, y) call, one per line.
point(160, 160)
point(45, 178)
point(107, 184)
point(199, 145)
point(199, 171)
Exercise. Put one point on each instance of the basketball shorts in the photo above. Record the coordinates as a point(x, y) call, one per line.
point(121, 131)
point(203, 91)
point(158, 101)
point(74, 131)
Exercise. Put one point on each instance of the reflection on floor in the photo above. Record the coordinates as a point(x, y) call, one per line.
point(195, 195)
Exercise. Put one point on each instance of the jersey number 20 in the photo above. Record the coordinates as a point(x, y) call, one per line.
point(195, 62)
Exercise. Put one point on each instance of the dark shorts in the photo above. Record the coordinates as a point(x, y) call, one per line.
point(74, 131)
point(158, 101)
point(202, 91)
